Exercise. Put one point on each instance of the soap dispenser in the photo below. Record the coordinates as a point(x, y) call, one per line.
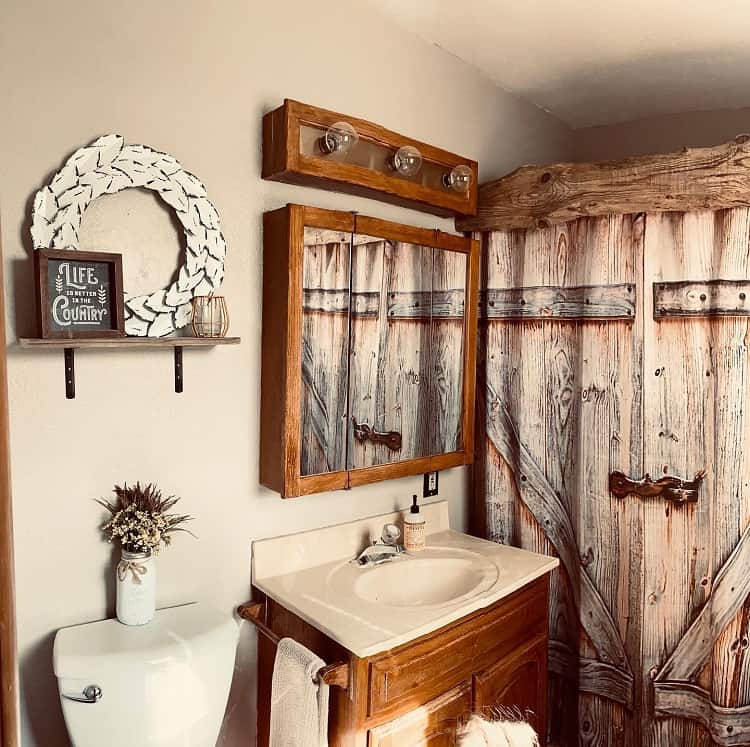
point(414, 528)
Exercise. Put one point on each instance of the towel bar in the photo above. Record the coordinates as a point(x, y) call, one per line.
point(336, 675)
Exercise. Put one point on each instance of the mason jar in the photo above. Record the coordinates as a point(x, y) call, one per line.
point(136, 588)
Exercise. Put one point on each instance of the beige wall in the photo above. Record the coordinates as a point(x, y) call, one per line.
point(193, 79)
point(660, 134)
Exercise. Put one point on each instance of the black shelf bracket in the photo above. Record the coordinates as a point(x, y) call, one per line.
point(70, 373)
point(178, 369)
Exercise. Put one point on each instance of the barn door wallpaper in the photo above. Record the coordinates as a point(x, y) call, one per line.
point(613, 379)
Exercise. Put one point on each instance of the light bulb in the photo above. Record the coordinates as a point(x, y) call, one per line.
point(459, 178)
point(340, 137)
point(407, 161)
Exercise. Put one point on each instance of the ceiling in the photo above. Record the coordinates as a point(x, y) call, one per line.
point(596, 62)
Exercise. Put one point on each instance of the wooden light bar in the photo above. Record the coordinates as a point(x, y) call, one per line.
point(292, 154)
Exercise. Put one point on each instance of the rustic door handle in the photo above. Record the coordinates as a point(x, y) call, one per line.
point(363, 432)
point(669, 487)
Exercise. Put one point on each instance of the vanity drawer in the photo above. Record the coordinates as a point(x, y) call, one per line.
point(417, 671)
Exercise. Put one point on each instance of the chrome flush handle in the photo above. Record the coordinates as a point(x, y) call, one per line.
point(90, 694)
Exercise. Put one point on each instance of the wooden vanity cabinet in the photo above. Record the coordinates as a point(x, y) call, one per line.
point(368, 350)
point(492, 661)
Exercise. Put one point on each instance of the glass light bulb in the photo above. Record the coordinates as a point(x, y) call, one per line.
point(459, 178)
point(407, 161)
point(340, 137)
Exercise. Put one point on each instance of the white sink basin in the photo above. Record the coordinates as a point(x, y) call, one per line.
point(438, 576)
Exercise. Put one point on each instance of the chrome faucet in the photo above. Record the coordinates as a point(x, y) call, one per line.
point(383, 550)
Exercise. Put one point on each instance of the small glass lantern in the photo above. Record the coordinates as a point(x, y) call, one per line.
point(210, 316)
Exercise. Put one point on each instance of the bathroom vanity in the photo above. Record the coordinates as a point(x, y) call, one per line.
point(421, 642)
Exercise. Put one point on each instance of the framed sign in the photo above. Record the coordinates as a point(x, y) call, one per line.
point(79, 294)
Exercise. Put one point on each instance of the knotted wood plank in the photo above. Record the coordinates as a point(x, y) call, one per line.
point(693, 179)
point(554, 302)
point(702, 298)
point(542, 500)
point(590, 675)
point(730, 590)
point(728, 727)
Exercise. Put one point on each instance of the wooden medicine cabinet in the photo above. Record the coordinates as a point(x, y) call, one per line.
point(369, 350)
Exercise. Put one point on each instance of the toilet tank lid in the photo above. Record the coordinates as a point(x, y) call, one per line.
point(173, 634)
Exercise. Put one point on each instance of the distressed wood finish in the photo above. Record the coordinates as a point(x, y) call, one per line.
point(325, 344)
point(285, 159)
point(551, 302)
point(702, 298)
point(394, 695)
point(549, 387)
point(694, 179)
point(561, 400)
point(369, 340)
point(389, 362)
point(8, 656)
point(697, 403)
point(417, 305)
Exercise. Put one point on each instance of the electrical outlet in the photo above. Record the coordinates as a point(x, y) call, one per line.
point(430, 484)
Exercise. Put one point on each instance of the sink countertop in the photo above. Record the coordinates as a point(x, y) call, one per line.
point(368, 627)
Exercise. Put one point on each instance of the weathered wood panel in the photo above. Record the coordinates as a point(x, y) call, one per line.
point(554, 386)
point(449, 280)
point(325, 342)
point(550, 302)
point(389, 372)
point(418, 305)
point(698, 399)
point(704, 298)
point(694, 179)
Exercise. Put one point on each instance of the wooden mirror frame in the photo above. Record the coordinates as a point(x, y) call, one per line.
point(281, 377)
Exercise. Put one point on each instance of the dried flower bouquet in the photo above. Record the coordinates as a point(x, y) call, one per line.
point(140, 521)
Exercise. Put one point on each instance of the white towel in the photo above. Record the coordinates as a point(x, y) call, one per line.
point(299, 704)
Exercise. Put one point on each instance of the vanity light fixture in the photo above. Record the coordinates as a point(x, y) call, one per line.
point(407, 161)
point(458, 179)
point(340, 137)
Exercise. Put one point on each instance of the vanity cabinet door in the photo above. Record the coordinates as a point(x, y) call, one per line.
point(389, 359)
point(432, 725)
point(516, 686)
point(325, 341)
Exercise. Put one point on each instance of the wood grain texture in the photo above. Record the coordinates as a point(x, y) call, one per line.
point(388, 691)
point(694, 179)
point(8, 656)
point(325, 346)
point(350, 326)
point(551, 302)
point(575, 398)
point(551, 387)
point(286, 160)
point(432, 725)
point(701, 298)
point(516, 687)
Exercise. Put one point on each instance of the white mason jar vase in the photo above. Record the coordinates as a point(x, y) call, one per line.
point(136, 588)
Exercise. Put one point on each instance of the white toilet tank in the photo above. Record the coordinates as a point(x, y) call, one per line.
point(164, 684)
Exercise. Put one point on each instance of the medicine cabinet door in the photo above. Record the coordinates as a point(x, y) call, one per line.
point(447, 342)
point(325, 342)
point(389, 359)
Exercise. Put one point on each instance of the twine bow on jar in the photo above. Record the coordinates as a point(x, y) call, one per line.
point(135, 569)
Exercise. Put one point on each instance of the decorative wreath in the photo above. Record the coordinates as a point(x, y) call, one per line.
point(107, 166)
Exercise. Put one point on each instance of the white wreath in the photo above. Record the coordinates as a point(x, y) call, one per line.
point(108, 166)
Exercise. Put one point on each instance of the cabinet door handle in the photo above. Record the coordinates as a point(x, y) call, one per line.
point(669, 487)
point(363, 432)
point(90, 694)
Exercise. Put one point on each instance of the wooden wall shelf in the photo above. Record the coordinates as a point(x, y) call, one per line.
point(68, 346)
point(291, 154)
